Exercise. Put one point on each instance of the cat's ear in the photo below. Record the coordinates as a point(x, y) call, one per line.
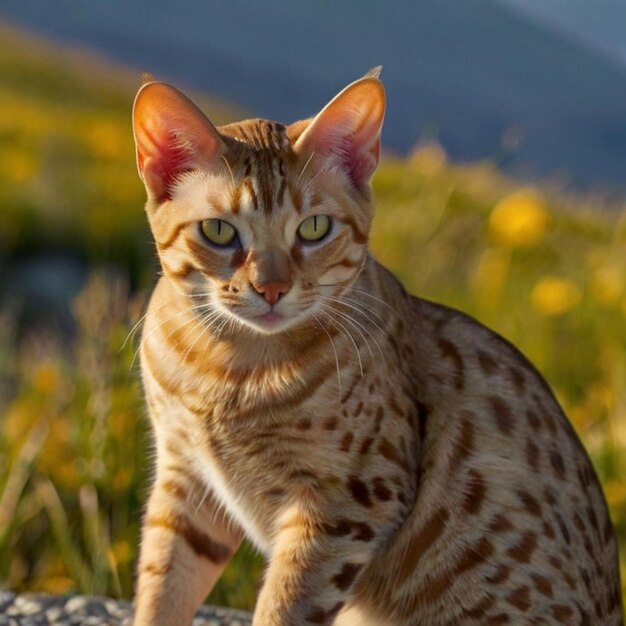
point(346, 133)
point(172, 137)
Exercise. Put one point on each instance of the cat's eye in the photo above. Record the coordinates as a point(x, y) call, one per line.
point(218, 232)
point(314, 228)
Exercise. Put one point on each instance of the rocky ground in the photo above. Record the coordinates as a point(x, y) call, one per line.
point(71, 610)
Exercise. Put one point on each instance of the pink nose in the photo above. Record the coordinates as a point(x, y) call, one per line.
point(273, 292)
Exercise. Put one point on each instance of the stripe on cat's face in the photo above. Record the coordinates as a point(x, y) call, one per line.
point(297, 198)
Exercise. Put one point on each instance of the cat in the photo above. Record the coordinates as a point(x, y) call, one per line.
point(398, 463)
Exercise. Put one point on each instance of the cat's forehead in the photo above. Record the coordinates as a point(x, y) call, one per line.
point(261, 162)
point(259, 136)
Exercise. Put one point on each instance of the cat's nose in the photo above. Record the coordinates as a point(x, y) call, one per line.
point(273, 291)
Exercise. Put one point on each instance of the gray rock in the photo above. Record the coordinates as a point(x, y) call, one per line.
point(73, 610)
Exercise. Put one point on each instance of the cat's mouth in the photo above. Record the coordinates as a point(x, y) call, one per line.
point(271, 321)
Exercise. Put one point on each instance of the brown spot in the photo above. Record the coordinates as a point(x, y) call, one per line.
point(502, 414)
point(155, 569)
point(549, 496)
point(474, 555)
point(474, 492)
point(350, 390)
point(359, 236)
point(364, 532)
point(593, 518)
point(531, 504)
point(584, 476)
point(519, 382)
point(381, 491)
point(563, 529)
point(302, 474)
point(500, 618)
point(450, 351)
point(464, 444)
point(548, 530)
point(500, 524)
point(303, 424)
point(532, 455)
point(317, 616)
point(422, 419)
point(346, 442)
point(520, 598)
point(487, 363)
point(391, 453)
point(203, 545)
point(340, 528)
point(345, 577)
point(500, 575)
point(560, 611)
point(478, 610)
point(380, 414)
point(275, 492)
point(238, 258)
point(358, 410)
point(578, 522)
point(524, 548)
point(533, 420)
point(360, 491)
point(542, 585)
point(558, 465)
point(393, 405)
point(365, 446)
point(551, 422)
point(330, 423)
point(585, 618)
point(175, 488)
point(173, 235)
point(556, 562)
point(419, 544)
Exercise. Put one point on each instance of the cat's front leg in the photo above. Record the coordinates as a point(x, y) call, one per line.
point(316, 563)
point(187, 541)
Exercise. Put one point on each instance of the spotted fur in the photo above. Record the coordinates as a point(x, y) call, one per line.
point(398, 463)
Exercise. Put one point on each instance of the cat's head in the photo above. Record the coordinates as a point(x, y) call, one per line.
point(259, 222)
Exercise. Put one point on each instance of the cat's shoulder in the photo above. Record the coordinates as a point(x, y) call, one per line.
point(473, 350)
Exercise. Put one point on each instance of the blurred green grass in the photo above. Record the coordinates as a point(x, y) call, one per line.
point(543, 267)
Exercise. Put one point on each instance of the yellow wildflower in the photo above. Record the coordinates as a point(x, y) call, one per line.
point(555, 296)
point(519, 219)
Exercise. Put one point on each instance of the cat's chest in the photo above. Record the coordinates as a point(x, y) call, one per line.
point(262, 462)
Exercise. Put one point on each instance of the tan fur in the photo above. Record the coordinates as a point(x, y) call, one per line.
point(397, 463)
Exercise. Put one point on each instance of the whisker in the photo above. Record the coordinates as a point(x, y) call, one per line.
point(348, 333)
point(332, 343)
point(355, 324)
point(368, 294)
point(359, 307)
point(306, 165)
point(232, 177)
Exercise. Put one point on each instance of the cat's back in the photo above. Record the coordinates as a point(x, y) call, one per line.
point(509, 514)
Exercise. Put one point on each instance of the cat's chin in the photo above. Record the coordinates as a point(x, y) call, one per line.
point(270, 323)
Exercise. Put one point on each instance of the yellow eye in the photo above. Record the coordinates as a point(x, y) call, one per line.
point(314, 228)
point(218, 232)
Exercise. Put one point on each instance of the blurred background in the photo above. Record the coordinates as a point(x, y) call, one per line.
point(501, 192)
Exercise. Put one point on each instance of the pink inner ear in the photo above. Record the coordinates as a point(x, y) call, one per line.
point(173, 137)
point(347, 131)
point(361, 163)
point(163, 164)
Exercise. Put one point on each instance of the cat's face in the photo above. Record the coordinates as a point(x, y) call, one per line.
point(262, 225)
